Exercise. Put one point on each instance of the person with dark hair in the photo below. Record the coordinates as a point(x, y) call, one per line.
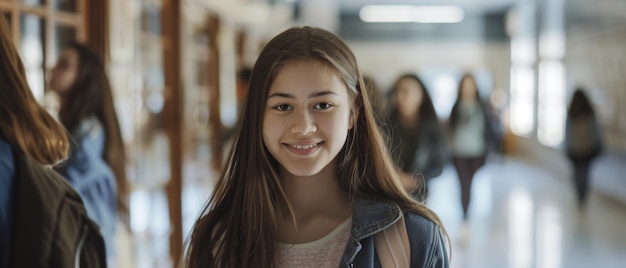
point(583, 141)
point(43, 222)
point(417, 142)
point(377, 99)
point(96, 166)
point(471, 136)
point(243, 80)
point(309, 182)
point(227, 134)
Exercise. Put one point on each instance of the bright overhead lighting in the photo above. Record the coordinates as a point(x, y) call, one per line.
point(409, 13)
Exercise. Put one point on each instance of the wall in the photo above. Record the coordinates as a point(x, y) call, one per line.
point(384, 61)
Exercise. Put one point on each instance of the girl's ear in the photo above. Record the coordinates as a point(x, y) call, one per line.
point(353, 115)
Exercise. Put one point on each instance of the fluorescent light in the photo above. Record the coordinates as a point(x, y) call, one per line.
point(409, 13)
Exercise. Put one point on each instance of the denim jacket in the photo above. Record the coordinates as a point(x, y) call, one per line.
point(87, 171)
point(428, 248)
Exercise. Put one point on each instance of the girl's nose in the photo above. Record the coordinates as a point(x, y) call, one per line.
point(303, 124)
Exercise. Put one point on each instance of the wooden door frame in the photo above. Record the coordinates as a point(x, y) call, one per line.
point(173, 118)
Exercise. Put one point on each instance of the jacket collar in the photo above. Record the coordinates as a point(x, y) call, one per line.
point(369, 216)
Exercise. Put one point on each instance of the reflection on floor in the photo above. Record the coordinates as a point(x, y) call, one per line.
point(524, 214)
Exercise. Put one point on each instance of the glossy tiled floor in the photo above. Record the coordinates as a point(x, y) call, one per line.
point(524, 214)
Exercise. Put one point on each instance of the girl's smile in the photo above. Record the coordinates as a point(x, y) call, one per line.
point(304, 149)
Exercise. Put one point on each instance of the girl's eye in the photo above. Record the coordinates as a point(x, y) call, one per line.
point(283, 107)
point(323, 106)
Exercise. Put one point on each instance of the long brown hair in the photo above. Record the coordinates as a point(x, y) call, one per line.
point(238, 227)
point(91, 95)
point(23, 122)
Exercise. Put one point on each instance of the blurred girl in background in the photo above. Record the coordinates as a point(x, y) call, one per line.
point(471, 136)
point(583, 141)
point(417, 142)
point(96, 166)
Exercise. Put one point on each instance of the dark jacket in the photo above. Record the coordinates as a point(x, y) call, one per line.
point(51, 226)
point(428, 247)
point(422, 150)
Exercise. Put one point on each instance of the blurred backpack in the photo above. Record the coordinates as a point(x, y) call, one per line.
point(51, 226)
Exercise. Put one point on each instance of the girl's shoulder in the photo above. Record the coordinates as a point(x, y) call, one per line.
point(89, 127)
point(427, 240)
point(422, 223)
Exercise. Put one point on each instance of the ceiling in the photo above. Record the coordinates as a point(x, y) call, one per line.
point(484, 19)
point(470, 6)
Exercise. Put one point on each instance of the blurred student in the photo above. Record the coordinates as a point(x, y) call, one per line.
point(243, 80)
point(310, 183)
point(471, 136)
point(583, 141)
point(96, 166)
point(43, 222)
point(417, 141)
point(225, 141)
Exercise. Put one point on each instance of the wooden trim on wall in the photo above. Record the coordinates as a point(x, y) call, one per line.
point(95, 31)
point(172, 117)
point(216, 128)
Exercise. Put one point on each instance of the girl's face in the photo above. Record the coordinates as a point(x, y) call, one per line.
point(408, 96)
point(64, 73)
point(307, 117)
point(468, 90)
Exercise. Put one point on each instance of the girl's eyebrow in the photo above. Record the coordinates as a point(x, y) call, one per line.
point(312, 95)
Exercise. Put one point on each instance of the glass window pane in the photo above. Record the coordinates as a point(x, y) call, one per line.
point(65, 5)
point(32, 52)
point(33, 2)
point(62, 36)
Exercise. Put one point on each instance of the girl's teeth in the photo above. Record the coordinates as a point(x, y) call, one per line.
point(304, 147)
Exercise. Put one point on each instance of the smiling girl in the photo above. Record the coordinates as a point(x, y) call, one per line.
point(309, 181)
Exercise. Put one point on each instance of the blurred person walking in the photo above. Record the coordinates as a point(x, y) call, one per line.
point(583, 141)
point(43, 222)
point(417, 142)
point(471, 136)
point(96, 166)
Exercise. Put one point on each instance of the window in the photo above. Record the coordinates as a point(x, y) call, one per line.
point(37, 42)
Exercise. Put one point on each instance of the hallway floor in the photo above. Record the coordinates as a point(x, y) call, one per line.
point(524, 213)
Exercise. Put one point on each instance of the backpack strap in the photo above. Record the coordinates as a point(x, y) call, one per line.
point(392, 246)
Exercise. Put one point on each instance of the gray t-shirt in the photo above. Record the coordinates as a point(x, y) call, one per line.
point(324, 252)
point(469, 138)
